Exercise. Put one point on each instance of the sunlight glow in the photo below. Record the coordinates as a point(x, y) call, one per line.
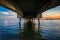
point(53, 13)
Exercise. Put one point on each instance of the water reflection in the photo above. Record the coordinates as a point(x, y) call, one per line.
point(29, 31)
point(8, 29)
point(49, 29)
point(5, 22)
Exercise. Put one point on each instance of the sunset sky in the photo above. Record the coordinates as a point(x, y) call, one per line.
point(53, 13)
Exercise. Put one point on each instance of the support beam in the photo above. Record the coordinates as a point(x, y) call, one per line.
point(20, 25)
point(38, 25)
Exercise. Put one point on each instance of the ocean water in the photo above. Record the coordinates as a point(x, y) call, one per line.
point(9, 29)
point(49, 29)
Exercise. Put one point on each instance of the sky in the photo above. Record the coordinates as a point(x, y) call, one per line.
point(7, 13)
point(52, 13)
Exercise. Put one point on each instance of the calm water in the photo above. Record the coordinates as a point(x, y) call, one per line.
point(50, 29)
point(9, 29)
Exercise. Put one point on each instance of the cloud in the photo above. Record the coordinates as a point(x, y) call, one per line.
point(51, 14)
point(6, 13)
point(12, 12)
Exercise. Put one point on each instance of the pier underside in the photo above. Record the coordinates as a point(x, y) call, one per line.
point(30, 9)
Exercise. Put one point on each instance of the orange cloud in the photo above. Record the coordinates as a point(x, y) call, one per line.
point(55, 16)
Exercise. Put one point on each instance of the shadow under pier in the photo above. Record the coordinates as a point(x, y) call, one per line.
point(30, 32)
